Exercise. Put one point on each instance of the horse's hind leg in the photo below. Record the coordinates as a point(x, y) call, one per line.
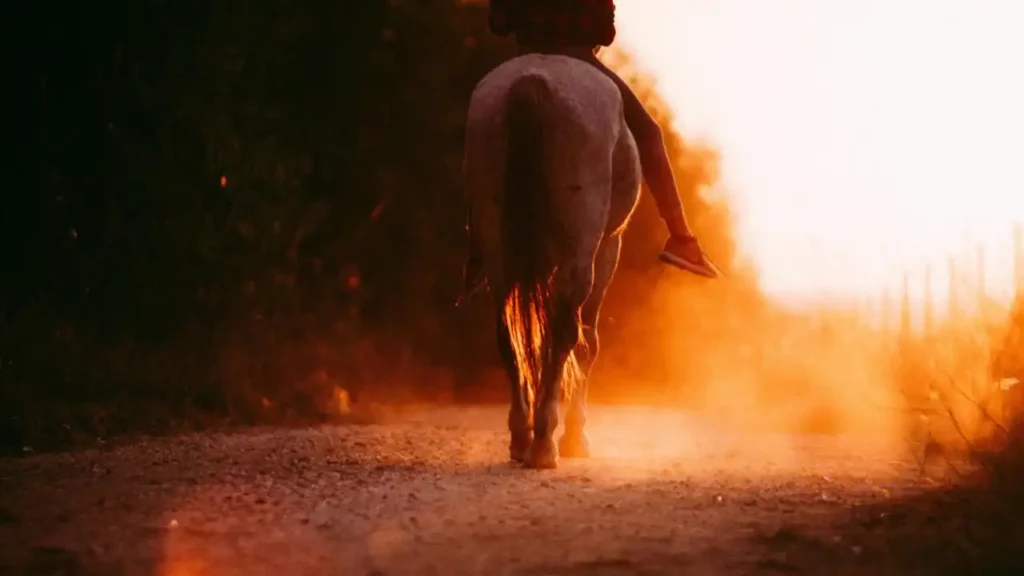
point(521, 436)
point(564, 335)
point(574, 442)
point(564, 332)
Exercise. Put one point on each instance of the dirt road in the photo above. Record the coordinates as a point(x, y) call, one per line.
point(666, 493)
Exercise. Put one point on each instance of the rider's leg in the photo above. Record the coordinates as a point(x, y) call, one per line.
point(682, 248)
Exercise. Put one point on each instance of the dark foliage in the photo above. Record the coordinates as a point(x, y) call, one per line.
point(229, 206)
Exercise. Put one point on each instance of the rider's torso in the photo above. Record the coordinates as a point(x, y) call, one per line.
point(555, 23)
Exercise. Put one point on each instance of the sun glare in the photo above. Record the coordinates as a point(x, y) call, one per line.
point(860, 139)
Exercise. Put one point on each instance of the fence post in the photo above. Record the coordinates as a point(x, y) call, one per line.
point(928, 319)
point(905, 309)
point(866, 312)
point(885, 315)
point(981, 285)
point(954, 294)
point(1018, 259)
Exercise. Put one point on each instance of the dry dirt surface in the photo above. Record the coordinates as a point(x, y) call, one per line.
point(431, 492)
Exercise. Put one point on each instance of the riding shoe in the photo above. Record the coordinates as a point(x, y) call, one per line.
point(684, 252)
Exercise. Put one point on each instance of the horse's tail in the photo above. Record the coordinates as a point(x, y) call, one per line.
point(526, 223)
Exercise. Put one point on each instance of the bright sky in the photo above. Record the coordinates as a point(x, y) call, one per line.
point(859, 137)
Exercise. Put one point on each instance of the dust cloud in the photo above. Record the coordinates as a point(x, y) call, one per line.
point(724, 348)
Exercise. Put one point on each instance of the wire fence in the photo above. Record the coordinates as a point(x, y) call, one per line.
point(970, 290)
point(956, 330)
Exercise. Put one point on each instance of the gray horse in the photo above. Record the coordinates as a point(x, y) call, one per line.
point(552, 177)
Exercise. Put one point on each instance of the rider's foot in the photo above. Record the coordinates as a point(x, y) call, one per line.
point(473, 278)
point(683, 251)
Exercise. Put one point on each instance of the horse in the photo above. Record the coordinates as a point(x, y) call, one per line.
point(552, 177)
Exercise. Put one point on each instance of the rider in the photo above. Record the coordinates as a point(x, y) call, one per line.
point(578, 28)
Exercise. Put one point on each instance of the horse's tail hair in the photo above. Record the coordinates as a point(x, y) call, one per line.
point(526, 223)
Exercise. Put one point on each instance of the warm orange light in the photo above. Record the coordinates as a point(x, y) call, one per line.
point(341, 400)
point(182, 567)
point(858, 139)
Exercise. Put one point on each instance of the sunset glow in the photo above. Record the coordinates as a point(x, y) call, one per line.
point(859, 139)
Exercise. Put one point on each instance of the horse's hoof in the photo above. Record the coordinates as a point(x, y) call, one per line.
point(575, 445)
point(519, 447)
point(543, 455)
